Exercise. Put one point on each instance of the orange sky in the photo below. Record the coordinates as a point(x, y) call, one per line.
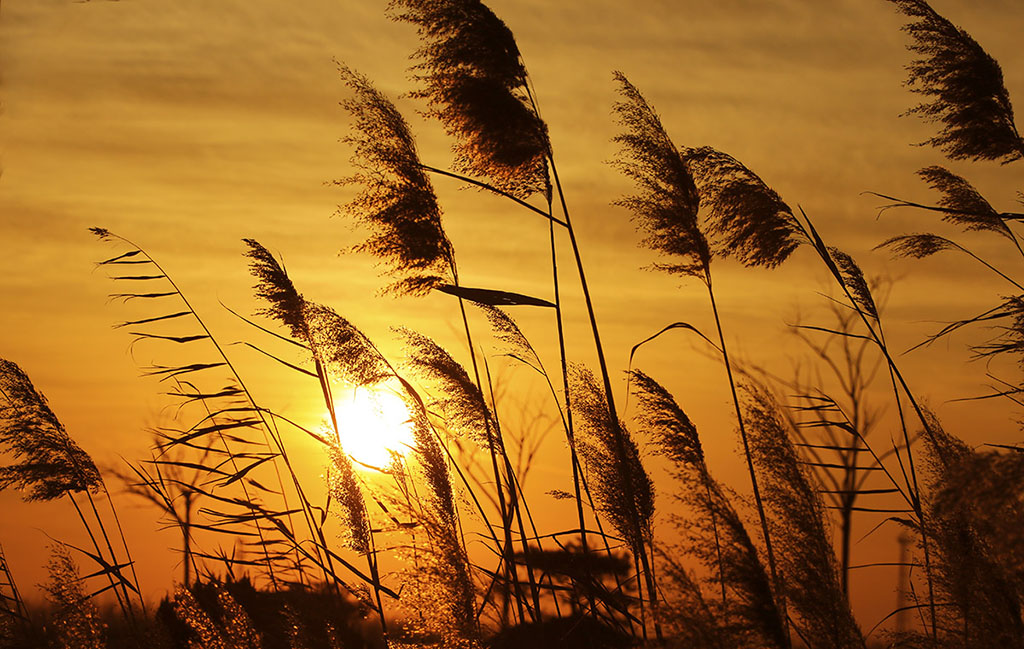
point(189, 125)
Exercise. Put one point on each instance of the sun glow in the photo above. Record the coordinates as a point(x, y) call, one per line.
point(374, 424)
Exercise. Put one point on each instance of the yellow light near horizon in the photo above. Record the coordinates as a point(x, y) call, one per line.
point(373, 423)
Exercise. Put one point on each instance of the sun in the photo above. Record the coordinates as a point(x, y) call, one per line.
point(374, 423)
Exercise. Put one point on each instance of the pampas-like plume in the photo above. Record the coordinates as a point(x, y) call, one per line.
point(624, 491)
point(667, 204)
point(987, 485)
point(983, 595)
point(506, 330)
point(346, 492)
point(917, 245)
point(963, 204)
point(343, 348)
point(76, 622)
point(476, 85)
point(463, 405)
point(853, 278)
point(397, 201)
point(205, 633)
point(715, 534)
point(273, 285)
point(747, 219)
point(49, 464)
point(447, 573)
point(963, 86)
point(799, 527)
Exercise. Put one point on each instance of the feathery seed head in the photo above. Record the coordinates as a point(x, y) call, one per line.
point(667, 203)
point(965, 205)
point(918, 245)
point(274, 286)
point(463, 405)
point(853, 277)
point(673, 432)
point(343, 348)
point(963, 86)
point(623, 489)
point(476, 86)
point(346, 492)
point(746, 218)
point(49, 463)
point(397, 201)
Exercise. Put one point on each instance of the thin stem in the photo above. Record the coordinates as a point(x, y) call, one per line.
point(602, 363)
point(566, 406)
point(747, 455)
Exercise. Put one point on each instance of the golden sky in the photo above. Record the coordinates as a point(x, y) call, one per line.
point(188, 125)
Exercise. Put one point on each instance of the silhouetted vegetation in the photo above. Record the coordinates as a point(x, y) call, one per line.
point(440, 546)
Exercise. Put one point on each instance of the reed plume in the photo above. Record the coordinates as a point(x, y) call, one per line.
point(981, 592)
point(962, 204)
point(48, 463)
point(667, 204)
point(746, 614)
point(463, 405)
point(76, 623)
point(444, 592)
point(746, 219)
point(963, 89)
point(800, 528)
point(397, 202)
point(853, 277)
point(475, 83)
point(622, 487)
point(284, 303)
point(203, 631)
point(345, 490)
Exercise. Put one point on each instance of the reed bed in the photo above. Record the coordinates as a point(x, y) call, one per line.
point(439, 545)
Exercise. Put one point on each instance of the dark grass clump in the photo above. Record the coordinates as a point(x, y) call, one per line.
point(963, 88)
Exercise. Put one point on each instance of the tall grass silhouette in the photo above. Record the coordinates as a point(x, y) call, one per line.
point(439, 546)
